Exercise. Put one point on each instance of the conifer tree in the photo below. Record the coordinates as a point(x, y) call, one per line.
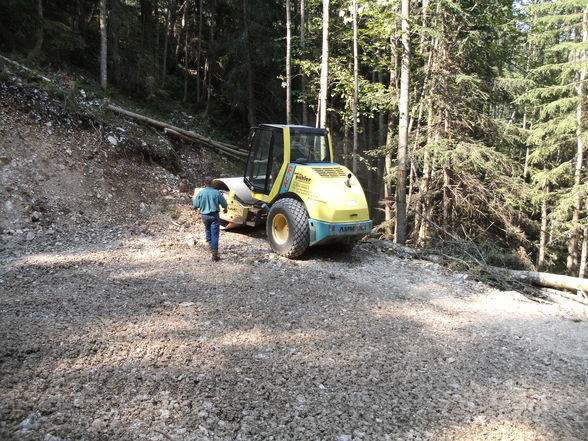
point(560, 31)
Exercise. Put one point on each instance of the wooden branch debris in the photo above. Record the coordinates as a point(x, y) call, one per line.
point(563, 297)
point(188, 135)
point(547, 280)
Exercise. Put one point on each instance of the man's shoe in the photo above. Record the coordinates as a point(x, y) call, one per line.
point(215, 256)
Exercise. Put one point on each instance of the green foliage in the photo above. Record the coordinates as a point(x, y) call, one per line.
point(554, 98)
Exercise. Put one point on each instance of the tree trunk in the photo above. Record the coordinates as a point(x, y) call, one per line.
point(412, 177)
point(446, 199)
point(422, 203)
point(390, 136)
point(546, 279)
point(427, 204)
point(381, 119)
point(208, 67)
point(345, 144)
point(572, 261)
point(387, 178)
point(145, 74)
point(103, 47)
point(368, 142)
point(527, 151)
point(251, 113)
point(185, 26)
point(355, 86)
point(115, 27)
point(403, 110)
point(40, 31)
point(544, 228)
point(88, 12)
point(371, 177)
point(165, 45)
point(322, 120)
point(432, 126)
point(157, 30)
point(302, 75)
point(148, 26)
point(178, 37)
point(288, 61)
point(380, 161)
point(199, 55)
point(584, 255)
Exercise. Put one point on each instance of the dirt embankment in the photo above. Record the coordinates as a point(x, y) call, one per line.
point(115, 324)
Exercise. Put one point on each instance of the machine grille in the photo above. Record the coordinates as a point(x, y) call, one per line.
point(330, 172)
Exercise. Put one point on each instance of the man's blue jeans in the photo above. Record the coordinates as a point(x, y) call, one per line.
point(212, 226)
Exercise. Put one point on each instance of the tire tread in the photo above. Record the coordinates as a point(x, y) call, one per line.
point(298, 225)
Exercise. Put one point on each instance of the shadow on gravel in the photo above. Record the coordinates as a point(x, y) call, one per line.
point(128, 345)
point(331, 253)
point(257, 232)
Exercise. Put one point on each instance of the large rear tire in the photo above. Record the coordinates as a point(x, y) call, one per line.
point(287, 228)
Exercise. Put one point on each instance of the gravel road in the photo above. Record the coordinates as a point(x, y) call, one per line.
point(138, 335)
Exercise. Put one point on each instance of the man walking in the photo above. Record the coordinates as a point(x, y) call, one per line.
point(208, 201)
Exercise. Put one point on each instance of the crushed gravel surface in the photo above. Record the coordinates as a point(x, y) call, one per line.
point(116, 325)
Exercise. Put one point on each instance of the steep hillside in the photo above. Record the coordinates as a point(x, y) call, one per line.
point(60, 170)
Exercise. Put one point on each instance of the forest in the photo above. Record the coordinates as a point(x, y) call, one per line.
point(464, 119)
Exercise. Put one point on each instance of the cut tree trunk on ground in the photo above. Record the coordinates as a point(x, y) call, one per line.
point(229, 152)
point(545, 279)
point(26, 69)
point(185, 134)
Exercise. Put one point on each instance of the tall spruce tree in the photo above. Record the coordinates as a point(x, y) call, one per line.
point(559, 32)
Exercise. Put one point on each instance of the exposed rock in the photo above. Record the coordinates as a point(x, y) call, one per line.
point(32, 420)
point(184, 188)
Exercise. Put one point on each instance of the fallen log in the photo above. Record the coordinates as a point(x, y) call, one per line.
point(548, 280)
point(186, 134)
point(226, 150)
point(26, 69)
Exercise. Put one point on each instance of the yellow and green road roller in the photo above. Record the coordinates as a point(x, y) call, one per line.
point(292, 184)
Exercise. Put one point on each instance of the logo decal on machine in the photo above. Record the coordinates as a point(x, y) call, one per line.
point(301, 177)
point(287, 179)
point(353, 228)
